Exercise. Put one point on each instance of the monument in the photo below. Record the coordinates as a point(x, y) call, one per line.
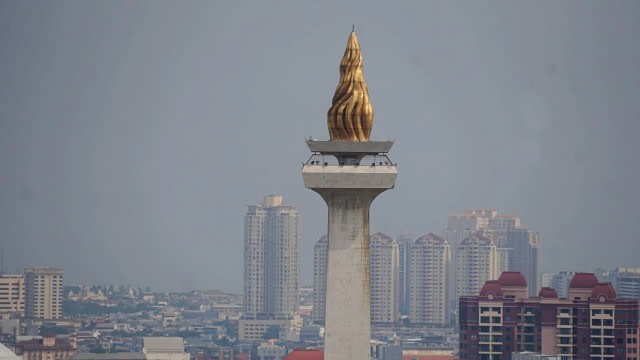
point(349, 171)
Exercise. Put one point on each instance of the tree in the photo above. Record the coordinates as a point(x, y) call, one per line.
point(231, 329)
point(273, 332)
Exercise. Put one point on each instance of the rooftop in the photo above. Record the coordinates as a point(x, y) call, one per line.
point(512, 278)
point(163, 344)
point(583, 281)
point(110, 356)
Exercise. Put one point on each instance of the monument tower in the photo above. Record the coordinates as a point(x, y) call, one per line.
point(349, 171)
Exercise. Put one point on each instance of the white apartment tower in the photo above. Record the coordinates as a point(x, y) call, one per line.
point(518, 248)
point(319, 279)
point(43, 293)
point(271, 260)
point(12, 294)
point(476, 262)
point(430, 256)
point(383, 279)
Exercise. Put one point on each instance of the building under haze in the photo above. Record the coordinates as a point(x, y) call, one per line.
point(319, 279)
point(404, 266)
point(560, 282)
point(627, 282)
point(429, 256)
point(43, 293)
point(383, 252)
point(476, 262)
point(517, 248)
point(12, 294)
point(271, 260)
point(383, 278)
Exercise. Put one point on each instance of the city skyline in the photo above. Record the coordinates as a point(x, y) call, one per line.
point(132, 134)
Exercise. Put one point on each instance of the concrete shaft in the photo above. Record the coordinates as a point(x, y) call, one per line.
point(347, 322)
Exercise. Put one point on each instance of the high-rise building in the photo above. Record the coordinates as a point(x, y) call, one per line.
point(430, 256)
point(383, 252)
point(404, 266)
point(319, 279)
point(476, 262)
point(43, 293)
point(593, 323)
point(383, 279)
point(12, 294)
point(627, 282)
point(271, 260)
point(525, 255)
point(560, 282)
point(518, 248)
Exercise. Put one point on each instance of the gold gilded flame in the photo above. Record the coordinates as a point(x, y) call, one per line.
point(350, 117)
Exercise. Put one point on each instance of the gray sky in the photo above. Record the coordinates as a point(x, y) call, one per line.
point(133, 134)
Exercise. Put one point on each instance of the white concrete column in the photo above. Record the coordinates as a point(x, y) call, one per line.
point(347, 321)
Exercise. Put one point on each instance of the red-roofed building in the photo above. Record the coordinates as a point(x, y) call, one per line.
point(593, 324)
point(548, 293)
point(304, 354)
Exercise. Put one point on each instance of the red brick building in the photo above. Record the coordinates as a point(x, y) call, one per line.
point(591, 324)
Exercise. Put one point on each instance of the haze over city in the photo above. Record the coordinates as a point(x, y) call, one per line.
point(134, 134)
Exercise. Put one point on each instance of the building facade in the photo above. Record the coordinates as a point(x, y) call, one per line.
point(384, 261)
point(476, 262)
point(319, 279)
point(560, 282)
point(250, 330)
point(404, 272)
point(592, 324)
point(271, 260)
point(430, 257)
point(383, 279)
point(627, 282)
point(43, 293)
point(12, 294)
point(47, 348)
point(518, 248)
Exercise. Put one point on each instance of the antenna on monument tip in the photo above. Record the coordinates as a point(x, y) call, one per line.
point(353, 27)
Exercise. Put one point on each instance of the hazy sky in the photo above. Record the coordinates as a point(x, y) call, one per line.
point(133, 134)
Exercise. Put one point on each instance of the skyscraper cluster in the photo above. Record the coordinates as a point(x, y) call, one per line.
point(485, 244)
point(433, 270)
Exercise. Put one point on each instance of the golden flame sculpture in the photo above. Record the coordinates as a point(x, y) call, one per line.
point(350, 117)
